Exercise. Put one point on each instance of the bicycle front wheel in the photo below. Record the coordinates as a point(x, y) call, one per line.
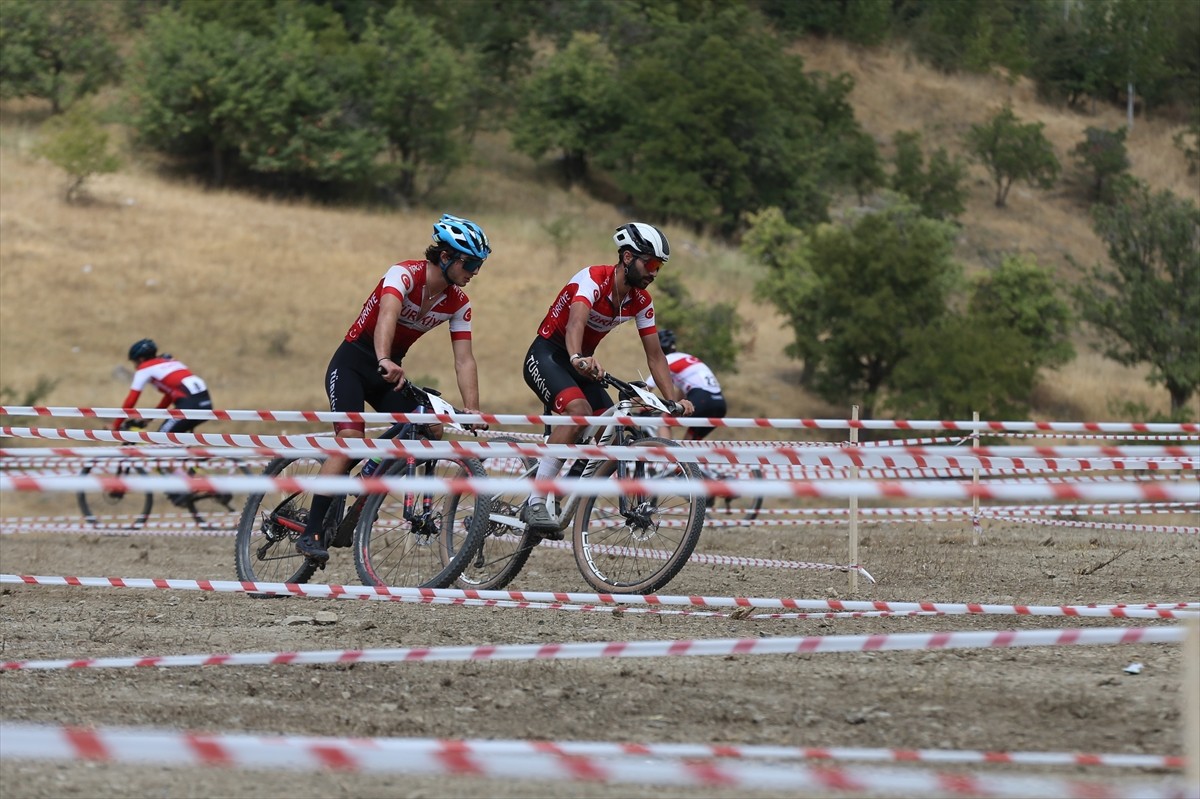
point(505, 546)
point(114, 509)
point(636, 543)
point(265, 547)
point(399, 542)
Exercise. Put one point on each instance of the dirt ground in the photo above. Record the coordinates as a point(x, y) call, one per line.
point(1034, 699)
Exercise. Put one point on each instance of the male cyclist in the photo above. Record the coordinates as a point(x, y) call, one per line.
point(412, 298)
point(178, 385)
point(696, 381)
point(561, 366)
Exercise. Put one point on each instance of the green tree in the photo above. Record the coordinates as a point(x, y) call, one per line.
point(1146, 302)
point(184, 85)
point(709, 330)
point(956, 366)
point(419, 88)
point(1021, 297)
point(77, 144)
point(1102, 157)
point(58, 51)
point(1012, 151)
point(855, 293)
point(570, 104)
point(293, 111)
point(938, 190)
point(719, 120)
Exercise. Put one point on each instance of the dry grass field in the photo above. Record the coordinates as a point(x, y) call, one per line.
point(255, 294)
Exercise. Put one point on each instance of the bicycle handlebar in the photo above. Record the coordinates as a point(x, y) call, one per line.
point(627, 391)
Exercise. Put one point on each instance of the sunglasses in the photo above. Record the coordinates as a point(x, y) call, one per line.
point(651, 265)
point(472, 265)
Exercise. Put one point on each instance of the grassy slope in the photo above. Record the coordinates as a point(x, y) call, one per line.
point(255, 294)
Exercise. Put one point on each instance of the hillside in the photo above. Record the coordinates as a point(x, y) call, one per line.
point(255, 293)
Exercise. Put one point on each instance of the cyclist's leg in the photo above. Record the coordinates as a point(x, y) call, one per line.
point(707, 405)
point(548, 373)
point(346, 383)
point(200, 401)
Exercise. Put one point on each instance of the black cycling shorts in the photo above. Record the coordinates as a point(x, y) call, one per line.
point(707, 405)
point(192, 402)
point(353, 380)
point(549, 374)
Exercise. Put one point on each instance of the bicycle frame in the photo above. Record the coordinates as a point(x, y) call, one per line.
point(562, 509)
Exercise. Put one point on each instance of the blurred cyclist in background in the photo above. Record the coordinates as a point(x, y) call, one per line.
point(178, 385)
point(694, 380)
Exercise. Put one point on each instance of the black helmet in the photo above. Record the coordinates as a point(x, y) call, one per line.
point(667, 339)
point(145, 348)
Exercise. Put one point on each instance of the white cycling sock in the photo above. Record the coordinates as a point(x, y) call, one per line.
point(548, 469)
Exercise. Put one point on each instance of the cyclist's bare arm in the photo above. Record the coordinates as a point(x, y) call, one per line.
point(385, 332)
point(662, 374)
point(576, 322)
point(467, 372)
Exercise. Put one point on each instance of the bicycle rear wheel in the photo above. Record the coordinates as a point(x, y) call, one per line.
point(392, 550)
point(506, 546)
point(210, 509)
point(637, 543)
point(265, 547)
point(740, 508)
point(115, 509)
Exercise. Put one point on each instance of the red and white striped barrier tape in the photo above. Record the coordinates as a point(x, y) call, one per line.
point(538, 760)
point(723, 752)
point(829, 455)
point(578, 650)
point(1159, 610)
point(1126, 527)
point(841, 489)
point(539, 419)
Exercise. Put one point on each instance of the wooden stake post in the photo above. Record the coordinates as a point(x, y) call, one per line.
point(854, 508)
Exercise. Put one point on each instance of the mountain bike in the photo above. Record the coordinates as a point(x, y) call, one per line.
point(103, 508)
point(395, 536)
point(632, 543)
point(740, 508)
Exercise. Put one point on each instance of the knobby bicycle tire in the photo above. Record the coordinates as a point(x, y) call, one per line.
point(504, 549)
point(642, 549)
point(205, 505)
point(104, 509)
point(390, 550)
point(265, 551)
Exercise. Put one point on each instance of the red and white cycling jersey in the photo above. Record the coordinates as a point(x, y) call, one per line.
point(593, 286)
point(689, 372)
point(406, 280)
point(169, 376)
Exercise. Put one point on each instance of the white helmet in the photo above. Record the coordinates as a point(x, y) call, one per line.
point(644, 240)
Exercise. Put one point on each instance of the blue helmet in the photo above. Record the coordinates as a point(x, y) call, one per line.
point(461, 235)
point(667, 339)
point(144, 348)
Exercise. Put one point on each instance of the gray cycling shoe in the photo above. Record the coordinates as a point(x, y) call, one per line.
point(537, 518)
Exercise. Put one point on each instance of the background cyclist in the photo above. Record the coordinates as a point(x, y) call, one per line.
point(561, 366)
point(696, 381)
point(412, 298)
point(178, 384)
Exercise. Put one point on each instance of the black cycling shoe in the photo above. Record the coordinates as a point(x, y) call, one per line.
point(311, 547)
point(537, 519)
point(178, 500)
